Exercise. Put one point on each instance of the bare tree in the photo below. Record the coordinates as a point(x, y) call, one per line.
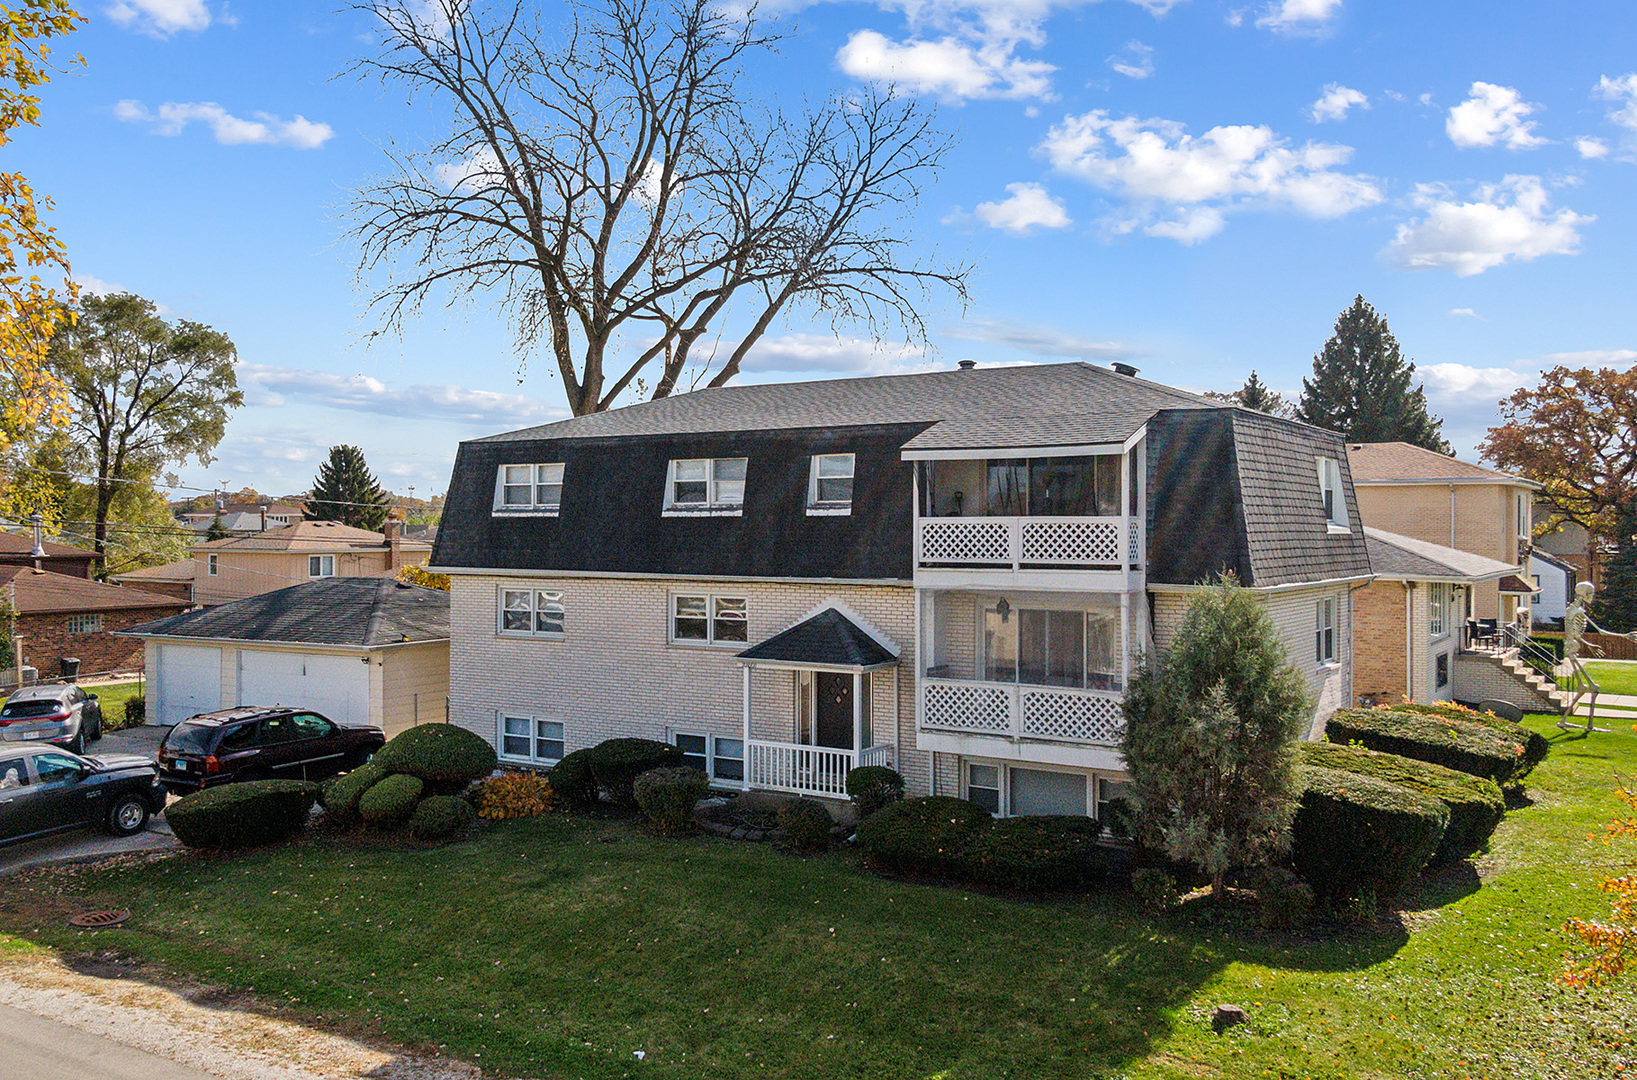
point(612, 183)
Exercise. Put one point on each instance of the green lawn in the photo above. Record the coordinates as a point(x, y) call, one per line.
point(113, 699)
point(560, 946)
point(1614, 677)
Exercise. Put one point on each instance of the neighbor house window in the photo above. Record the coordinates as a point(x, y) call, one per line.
point(831, 485)
point(320, 566)
point(709, 619)
point(210, 565)
point(727, 758)
point(1438, 609)
point(1331, 491)
point(706, 484)
point(84, 624)
point(1324, 633)
point(1441, 670)
point(531, 488)
point(531, 612)
point(529, 738)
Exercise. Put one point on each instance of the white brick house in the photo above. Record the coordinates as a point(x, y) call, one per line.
point(954, 573)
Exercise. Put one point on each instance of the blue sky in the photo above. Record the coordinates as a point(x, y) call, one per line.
point(1195, 186)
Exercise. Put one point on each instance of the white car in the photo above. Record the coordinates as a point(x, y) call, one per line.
point(60, 714)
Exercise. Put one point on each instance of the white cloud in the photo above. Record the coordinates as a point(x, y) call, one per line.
point(1591, 358)
point(1623, 91)
point(95, 286)
point(1134, 60)
point(470, 174)
point(1467, 313)
point(948, 67)
point(1041, 340)
point(1456, 380)
point(1299, 16)
point(825, 353)
point(1155, 165)
point(229, 130)
point(1591, 149)
point(1335, 103)
point(1028, 206)
point(267, 385)
point(161, 18)
point(1492, 114)
point(1512, 220)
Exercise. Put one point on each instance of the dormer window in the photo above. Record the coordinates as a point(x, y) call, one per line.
point(1332, 493)
point(830, 484)
point(529, 489)
point(706, 485)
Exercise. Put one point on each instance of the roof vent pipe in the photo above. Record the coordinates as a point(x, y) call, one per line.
point(1124, 369)
point(966, 365)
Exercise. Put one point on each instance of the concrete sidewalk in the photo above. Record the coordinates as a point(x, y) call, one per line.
point(42, 1049)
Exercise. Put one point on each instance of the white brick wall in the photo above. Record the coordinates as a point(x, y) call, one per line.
point(615, 673)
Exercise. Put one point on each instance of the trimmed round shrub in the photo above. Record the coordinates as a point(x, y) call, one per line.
point(242, 815)
point(340, 794)
point(391, 801)
point(1454, 744)
point(616, 764)
point(1283, 900)
point(1535, 745)
point(1355, 834)
point(1038, 854)
point(440, 817)
point(136, 710)
point(1475, 805)
point(806, 825)
point(667, 796)
point(873, 787)
point(923, 836)
point(571, 779)
point(438, 753)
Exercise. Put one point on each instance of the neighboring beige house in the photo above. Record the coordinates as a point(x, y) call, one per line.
point(244, 518)
point(241, 566)
point(1408, 491)
point(360, 651)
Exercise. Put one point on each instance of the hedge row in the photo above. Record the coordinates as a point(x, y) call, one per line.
point(242, 815)
point(1356, 834)
point(1535, 745)
point(1454, 744)
point(1475, 805)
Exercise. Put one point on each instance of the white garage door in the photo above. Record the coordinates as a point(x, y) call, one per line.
point(187, 679)
point(335, 686)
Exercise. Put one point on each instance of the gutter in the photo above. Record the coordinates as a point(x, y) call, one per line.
point(1363, 579)
point(618, 575)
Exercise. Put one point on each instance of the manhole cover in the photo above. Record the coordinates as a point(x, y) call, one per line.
point(96, 920)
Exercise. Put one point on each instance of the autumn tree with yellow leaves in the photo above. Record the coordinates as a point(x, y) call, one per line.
point(1613, 943)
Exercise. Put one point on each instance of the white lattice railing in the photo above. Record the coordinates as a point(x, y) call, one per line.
point(1041, 541)
point(807, 770)
point(1017, 711)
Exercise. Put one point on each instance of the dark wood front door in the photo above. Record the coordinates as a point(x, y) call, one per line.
point(835, 710)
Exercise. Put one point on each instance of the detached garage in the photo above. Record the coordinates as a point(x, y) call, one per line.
point(360, 651)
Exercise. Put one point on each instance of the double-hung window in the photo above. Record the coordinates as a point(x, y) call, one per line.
point(531, 738)
point(706, 485)
point(708, 619)
point(536, 489)
point(320, 566)
point(531, 613)
point(830, 485)
point(1324, 631)
point(1438, 609)
point(210, 565)
point(716, 757)
point(1332, 493)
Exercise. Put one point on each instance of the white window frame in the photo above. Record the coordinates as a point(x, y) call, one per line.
point(1526, 525)
point(1332, 490)
point(540, 476)
point(713, 615)
point(210, 565)
point(325, 563)
point(1003, 772)
point(712, 754)
point(817, 507)
point(534, 736)
point(1324, 631)
point(540, 601)
point(1440, 604)
point(89, 623)
point(720, 500)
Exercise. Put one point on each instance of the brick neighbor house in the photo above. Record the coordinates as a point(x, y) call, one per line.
point(17, 549)
point(59, 616)
point(954, 573)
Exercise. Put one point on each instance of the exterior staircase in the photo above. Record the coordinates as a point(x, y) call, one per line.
point(1500, 674)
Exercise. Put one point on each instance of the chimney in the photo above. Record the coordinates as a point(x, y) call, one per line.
point(1124, 369)
point(263, 519)
point(966, 365)
point(39, 549)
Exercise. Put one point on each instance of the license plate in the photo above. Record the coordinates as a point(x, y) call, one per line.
point(31, 734)
point(179, 766)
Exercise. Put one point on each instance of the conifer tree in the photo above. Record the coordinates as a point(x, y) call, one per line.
point(1361, 386)
point(346, 491)
point(1615, 603)
point(1255, 394)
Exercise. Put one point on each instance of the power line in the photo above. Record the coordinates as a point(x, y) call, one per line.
point(90, 478)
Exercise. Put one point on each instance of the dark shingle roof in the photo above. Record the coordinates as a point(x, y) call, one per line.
point(1404, 557)
point(827, 638)
point(43, 592)
point(1029, 405)
point(352, 611)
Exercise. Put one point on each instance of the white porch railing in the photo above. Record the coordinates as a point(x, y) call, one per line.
point(807, 770)
point(1014, 541)
point(1013, 711)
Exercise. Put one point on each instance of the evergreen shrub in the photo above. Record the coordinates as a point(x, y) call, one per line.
point(438, 753)
point(1535, 745)
point(616, 764)
point(1038, 854)
point(242, 815)
point(923, 836)
point(667, 796)
point(1355, 833)
point(1454, 744)
point(440, 817)
point(572, 780)
point(873, 787)
point(339, 795)
point(390, 802)
point(806, 825)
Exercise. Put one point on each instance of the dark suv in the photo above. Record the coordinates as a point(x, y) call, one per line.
point(260, 744)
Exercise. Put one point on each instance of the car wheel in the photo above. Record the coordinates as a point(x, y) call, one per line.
point(96, 732)
point(128, 815)
point(358, 759)
point(77, 744)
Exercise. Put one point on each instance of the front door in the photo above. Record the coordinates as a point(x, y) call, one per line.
point(835, 710)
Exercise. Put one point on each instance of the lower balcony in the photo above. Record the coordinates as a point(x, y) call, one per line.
point(1019, 711)
point(808, 770)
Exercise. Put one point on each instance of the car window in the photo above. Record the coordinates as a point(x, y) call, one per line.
point(13, 774)
point(238, 738)
point(54, 767)
point(309, 726)
point(276, 730)
point(186, 738)
point(76, 696)
point(28, 709)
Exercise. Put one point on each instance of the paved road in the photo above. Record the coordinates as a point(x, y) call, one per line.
point(40, 1049)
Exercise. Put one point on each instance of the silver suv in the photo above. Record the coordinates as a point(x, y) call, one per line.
point(59, 714)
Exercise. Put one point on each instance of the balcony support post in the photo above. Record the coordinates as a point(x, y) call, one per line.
point(746, 781)
point(858, 715)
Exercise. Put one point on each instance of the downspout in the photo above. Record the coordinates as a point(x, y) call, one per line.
point(1452, 515)
point(1409, 639)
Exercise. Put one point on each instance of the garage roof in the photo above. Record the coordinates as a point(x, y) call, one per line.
point(360, 612)
point(44, 592)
